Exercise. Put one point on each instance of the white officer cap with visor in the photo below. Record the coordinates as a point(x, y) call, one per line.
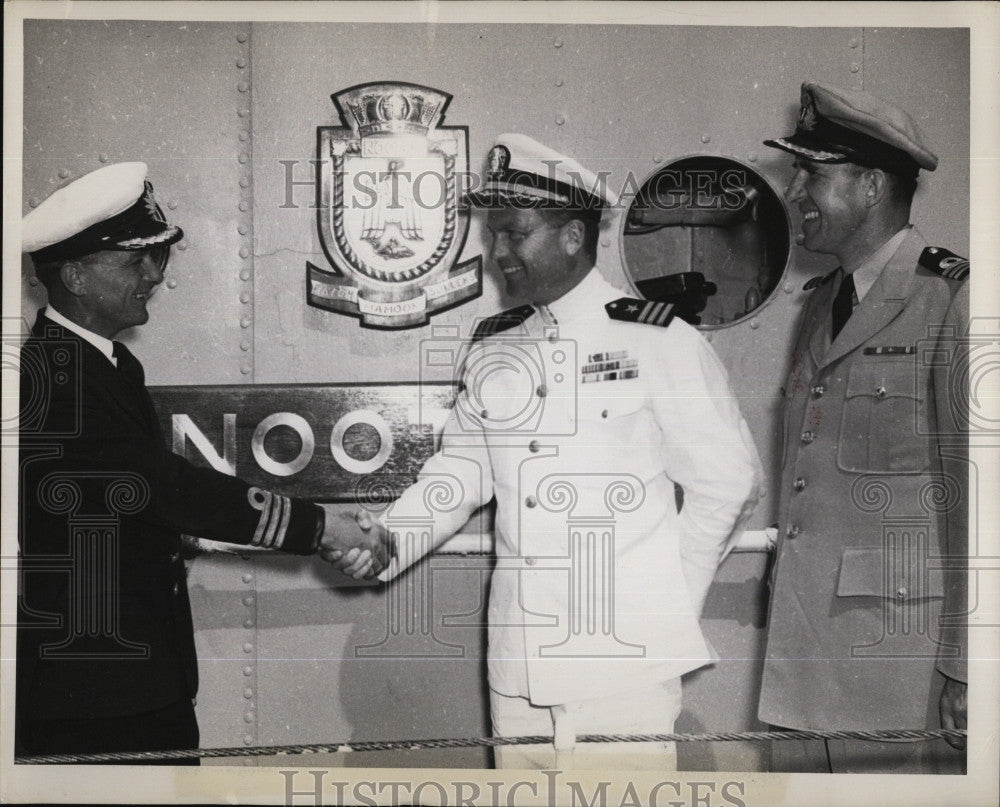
point(112, 208)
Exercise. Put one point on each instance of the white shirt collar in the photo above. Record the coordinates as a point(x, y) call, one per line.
point(103, 344)
point(579, 300)
point(870, 269)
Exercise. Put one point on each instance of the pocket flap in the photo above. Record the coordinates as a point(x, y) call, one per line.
point(862, 574)
point(884, 378)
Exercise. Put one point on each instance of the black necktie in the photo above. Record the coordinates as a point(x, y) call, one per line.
point(128, 364)
point(843, 304)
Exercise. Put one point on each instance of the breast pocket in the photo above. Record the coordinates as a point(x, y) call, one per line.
point(884, 418)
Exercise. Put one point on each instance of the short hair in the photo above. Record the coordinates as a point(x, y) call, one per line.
point(900, 188)
point(591, 219)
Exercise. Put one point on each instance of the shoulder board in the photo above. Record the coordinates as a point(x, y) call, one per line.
point(501, 322)
point(819, 280)
point(942, 262)
point(649, 312)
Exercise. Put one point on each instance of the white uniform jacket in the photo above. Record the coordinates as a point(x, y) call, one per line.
point(580, 426)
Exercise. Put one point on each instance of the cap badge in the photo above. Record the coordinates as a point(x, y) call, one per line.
point(498, 160)
point(807, 114)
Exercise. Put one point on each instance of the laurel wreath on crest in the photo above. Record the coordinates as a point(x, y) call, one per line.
point(451, 216)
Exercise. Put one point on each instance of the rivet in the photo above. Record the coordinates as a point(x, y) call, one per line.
point(244, 345)
point(789, 288)
point(182, 245)
point(242, 86)
point(248, 648)
point(248, 717)
point(32, 281)
point(244, 136)
point(245, 368)
point(33, 202)
point(244, 297)
point(245, 275)
point(245, 322)
point(754, 323)
point(171, 284)
point(248, 600)
point(243, 112)
point(244, 252)
point(247, 577)
point(560, 120)
point(557, 44)
point(800, 239)
point(241, 63)
point(172, 204)
point(248, 693)
point(243, 158)
point(752, 156)
point(705, 138)
point(244, 207)
point(657, 158)
point(244, 182)
point(248, 623)
point(248, 740)
point(248, 671)
point(242, 229)
point(559, 82)
point(63, 173)
point(853, 43)
point(102, 157)
point(855, 67)
point(241, 38)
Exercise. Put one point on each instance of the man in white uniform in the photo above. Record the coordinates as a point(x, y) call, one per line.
point(580, 412)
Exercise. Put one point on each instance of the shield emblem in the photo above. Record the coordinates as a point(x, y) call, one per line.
point(389, 218)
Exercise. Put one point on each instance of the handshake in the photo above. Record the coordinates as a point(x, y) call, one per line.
point(356, 545)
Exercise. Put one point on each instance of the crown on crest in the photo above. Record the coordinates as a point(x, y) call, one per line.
point(389, 108)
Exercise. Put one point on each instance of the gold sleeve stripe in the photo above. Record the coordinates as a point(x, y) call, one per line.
point(275, 514)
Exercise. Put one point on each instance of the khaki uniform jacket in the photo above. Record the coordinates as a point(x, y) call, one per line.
point(873, 505)
point(580, 426)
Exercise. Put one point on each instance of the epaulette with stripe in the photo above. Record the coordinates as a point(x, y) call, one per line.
point(649, 312)
point(945, 263)
point(819, 280)
point(501, 322)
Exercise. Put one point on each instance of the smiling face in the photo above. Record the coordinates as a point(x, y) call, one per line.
point(831, 198)
point(116, 285)
point(539, 259)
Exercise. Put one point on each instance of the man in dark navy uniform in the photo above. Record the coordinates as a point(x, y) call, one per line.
point(867, 591)
point(106, 655)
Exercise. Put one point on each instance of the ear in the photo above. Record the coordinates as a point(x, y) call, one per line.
point(73, 278)
point(572, 236)
point(875, 186)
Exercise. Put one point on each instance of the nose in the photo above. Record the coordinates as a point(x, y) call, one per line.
point(498, 247)
point(153, 267)
point(794, 192)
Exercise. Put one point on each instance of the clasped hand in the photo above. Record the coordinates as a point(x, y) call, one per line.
point(355, 545)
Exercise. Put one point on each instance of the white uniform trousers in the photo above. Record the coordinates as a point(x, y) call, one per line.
point(650, 710)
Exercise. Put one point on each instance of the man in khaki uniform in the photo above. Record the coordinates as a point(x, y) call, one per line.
point(874, 499)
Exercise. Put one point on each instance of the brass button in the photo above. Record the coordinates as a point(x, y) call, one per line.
point(604, 414)
point(531, 501)
point(799, 484)
point(879, 392)
point(534, 447)
point(818, 391)
point(530, 561)
point(177, 589)
point(542, 391)
point(808, 437)
point(484, 414)
point(792, 531)
point(175, 557)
